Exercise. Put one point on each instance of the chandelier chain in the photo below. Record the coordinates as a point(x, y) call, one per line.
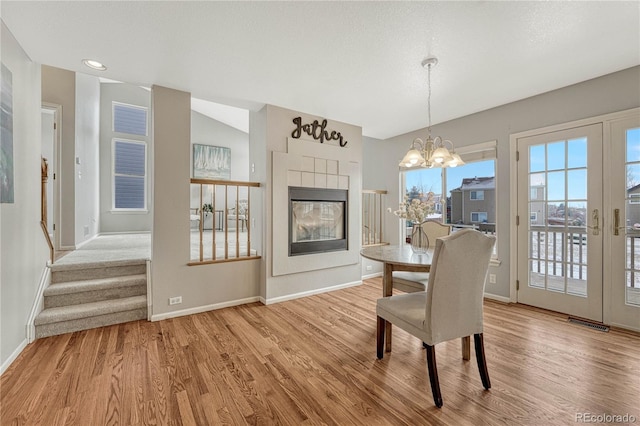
point(429, 99)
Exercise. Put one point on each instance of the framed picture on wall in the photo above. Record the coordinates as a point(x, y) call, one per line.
point(211, 162)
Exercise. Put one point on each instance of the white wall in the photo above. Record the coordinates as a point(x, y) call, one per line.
point(121, 221)
point(207, 131)
point(59, 87)
point(202, 287)
point(87, 177)
point(23, 251)
point(610, 93)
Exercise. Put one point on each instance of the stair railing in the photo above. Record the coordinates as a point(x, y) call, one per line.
point(372, 217)
point(225, 203)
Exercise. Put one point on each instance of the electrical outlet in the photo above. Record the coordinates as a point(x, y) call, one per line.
point(369, 267)
point(492, 278)
point(175, 300)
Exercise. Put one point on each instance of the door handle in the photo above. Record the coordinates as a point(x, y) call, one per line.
point(616, 222)
point(595, 216)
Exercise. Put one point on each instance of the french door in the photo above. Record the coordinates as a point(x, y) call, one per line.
point(578, 233)
point(560, 219)
point(622, 248)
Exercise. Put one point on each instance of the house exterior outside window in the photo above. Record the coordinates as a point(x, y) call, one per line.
point(474, 201)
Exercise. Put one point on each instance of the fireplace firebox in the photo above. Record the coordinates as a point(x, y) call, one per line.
point(317, 220)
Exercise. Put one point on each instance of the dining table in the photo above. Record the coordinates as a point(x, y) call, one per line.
point(403, 258)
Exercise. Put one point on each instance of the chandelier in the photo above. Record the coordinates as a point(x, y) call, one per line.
point(432, 152)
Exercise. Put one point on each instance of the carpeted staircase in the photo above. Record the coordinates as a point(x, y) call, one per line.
point(89, 295)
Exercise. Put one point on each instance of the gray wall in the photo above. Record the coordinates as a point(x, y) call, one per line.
point(23, 251)
point(87, 132)
point(202, 287)
point(121, 221)
point(59, 87)
point(606, 94)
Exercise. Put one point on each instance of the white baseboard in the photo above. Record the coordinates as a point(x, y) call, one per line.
point(13, 356)
point(38, 303)
point(308, 293)
point(206, 308)
point(122, 233)
point(67, 248)
point(86, 241)
point(495, 297)
point(374, 275)
point(149, 292)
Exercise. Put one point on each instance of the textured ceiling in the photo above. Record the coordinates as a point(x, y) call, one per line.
point(356, 62)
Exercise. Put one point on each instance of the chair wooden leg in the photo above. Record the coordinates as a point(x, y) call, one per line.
point(380, 331)
point(478, 339)
point(466, 348)
point(433, 374)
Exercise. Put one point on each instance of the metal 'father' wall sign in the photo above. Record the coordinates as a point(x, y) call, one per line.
point(317, 131)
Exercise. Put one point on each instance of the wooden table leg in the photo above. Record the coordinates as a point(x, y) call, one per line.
point(387, 290)
point(466, 348)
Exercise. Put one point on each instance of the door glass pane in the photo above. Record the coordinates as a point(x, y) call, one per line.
point(536, 158)
point(555, 190)
point(577, 153)
point(557, 217)
point(555, 156)
point(577, 184)
point(631, 221)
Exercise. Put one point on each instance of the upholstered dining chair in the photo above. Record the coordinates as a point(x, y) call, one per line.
point(452, 305)
point(417, 281)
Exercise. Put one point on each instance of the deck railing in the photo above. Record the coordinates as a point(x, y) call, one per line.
point(562, 250)
point(372, 220)
point(221, 222)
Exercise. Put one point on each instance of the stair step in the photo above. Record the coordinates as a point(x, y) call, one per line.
point(66, 319)
point(94, 270)
point(95, 290)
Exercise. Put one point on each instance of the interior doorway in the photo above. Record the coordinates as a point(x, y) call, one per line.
point(51, 117)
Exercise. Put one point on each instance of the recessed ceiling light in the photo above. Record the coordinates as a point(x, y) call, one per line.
point(94, 64)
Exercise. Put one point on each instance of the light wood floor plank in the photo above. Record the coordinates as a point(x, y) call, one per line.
point(312, 361)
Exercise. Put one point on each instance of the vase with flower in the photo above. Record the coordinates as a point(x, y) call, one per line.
point(416, 211)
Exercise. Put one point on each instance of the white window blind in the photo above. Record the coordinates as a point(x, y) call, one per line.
point(129, 175)
point(129, 119)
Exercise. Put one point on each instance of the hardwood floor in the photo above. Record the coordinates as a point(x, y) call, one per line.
point(313, 361)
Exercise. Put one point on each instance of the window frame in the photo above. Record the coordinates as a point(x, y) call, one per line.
point(478, 213)
point(482, 151)
point(477, 192)
point(144, 209)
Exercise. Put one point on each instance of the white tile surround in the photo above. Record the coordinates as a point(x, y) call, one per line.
point(310, 164)
point(318, 173)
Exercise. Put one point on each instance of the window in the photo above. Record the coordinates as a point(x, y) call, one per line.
point(129, 119)
point(476, 195)
point(534, 216)
point(478, 217)
point(129, 175)
point(451, 185)
point(634, 198)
